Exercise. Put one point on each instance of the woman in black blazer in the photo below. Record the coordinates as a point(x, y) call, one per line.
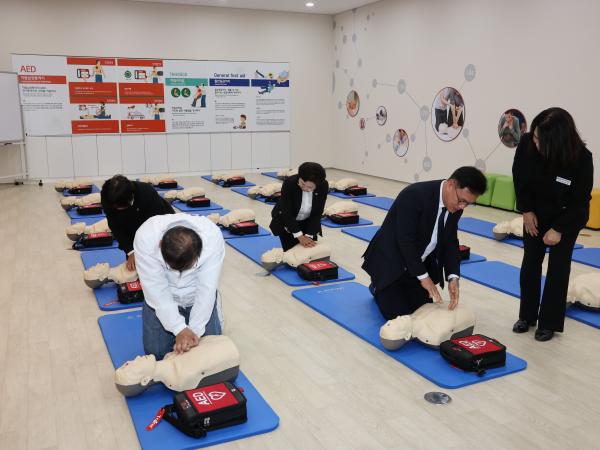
point(127, 205)
point(296, 218)
point(553, 175)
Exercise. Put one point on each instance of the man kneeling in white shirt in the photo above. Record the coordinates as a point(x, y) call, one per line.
point(179, 259)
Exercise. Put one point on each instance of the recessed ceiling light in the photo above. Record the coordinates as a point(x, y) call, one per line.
point(310, 4)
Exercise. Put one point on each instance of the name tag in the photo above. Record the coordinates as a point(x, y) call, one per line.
point(563, 181)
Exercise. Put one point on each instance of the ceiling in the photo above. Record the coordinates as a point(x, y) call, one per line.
point(321, 6)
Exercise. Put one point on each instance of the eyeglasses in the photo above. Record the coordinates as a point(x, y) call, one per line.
point(460, 201)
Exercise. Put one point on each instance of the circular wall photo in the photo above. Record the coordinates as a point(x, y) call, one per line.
point(448, 114)
point(381, 115)
point(400, 142)
point(511, 127)
point(352, 103)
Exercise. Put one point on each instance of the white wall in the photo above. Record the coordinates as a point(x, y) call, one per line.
point(528, 55)
point(122, 28)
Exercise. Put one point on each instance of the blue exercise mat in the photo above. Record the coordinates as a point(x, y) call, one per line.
point(505, 278)
point(122, 335)
point(244, 191)
point(209, 178)
point(106, 295)
point(181, 206)
point(377, 202)
point(588, 256)
point(367, 233)
point(484, 228)
point(270, 174)
point(349, 197)
point(73, 214)
point(254, 247)
point(352, 306)
point(95, 190)
point(361, 222)
point(91, 221)
point(363, 233)
point(204, 212)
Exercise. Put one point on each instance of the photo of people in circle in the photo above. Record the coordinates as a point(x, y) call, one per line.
point(511, 127)
point(381, 115)
point(352, 103)
point(448, 114)
point(400, 142)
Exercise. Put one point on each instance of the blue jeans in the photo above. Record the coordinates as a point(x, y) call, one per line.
point(159, 342)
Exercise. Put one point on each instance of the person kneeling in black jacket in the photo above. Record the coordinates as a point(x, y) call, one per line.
point(127, 205)
point(296, 218)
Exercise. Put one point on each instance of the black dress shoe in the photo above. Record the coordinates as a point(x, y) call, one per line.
point(522, 326)
point(543, 335)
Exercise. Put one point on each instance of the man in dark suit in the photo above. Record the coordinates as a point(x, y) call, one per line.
point(127, 205)
point(417, 243)
point(296, 218)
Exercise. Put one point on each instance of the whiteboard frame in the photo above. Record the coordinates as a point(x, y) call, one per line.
point(22, 140)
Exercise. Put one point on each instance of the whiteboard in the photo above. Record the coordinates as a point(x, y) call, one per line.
point(11, 122)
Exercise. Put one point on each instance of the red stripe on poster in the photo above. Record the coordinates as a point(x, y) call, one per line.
point(90, 61)
point(94, 126)
point(42, 79)
point(143, 126)
point(140, 62)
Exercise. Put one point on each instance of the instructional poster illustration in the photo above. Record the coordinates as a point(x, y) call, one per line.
point(64, 95)
point(270, 86)
point(93, 95)
point(44, 94)
point(233, 103)
point(189, 100)
point(141, 94)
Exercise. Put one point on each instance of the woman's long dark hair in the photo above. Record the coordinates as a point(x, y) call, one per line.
point(559, 141)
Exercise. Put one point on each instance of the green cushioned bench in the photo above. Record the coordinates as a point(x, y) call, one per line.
point(486, 198)
point(503, 196)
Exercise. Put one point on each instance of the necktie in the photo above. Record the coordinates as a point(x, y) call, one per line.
point(439, 247)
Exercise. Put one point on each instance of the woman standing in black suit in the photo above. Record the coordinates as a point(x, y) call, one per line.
point(296, 218)
point(553, 175)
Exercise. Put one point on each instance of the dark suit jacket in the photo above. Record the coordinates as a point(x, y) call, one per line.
point(559, 196)
point(146, 203)
point(396, 248)
point(285, 211)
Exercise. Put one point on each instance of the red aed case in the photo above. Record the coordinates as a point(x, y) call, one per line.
point(90, 210)
point(475, 353)
point(198, 202)
point(345, 218)
point(234, 181)
point(196, 411)
point(318, 270)
point(465, 252)
point(81, 189)
point(130, 292)
point(356, 190)
point(167, 184)
point(103, 239)
point(243, 228)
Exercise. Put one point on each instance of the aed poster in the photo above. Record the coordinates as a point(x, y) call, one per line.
point(93, 97)
point(64, 95)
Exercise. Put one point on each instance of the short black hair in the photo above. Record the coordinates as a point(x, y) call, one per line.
point(559, 140)
point(470, 177)
point(180, 247)
point(117, 192)
point(312, 171)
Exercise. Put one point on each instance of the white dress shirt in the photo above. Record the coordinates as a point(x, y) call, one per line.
point(305, 209)
point(433, 242)
point(166, 289)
